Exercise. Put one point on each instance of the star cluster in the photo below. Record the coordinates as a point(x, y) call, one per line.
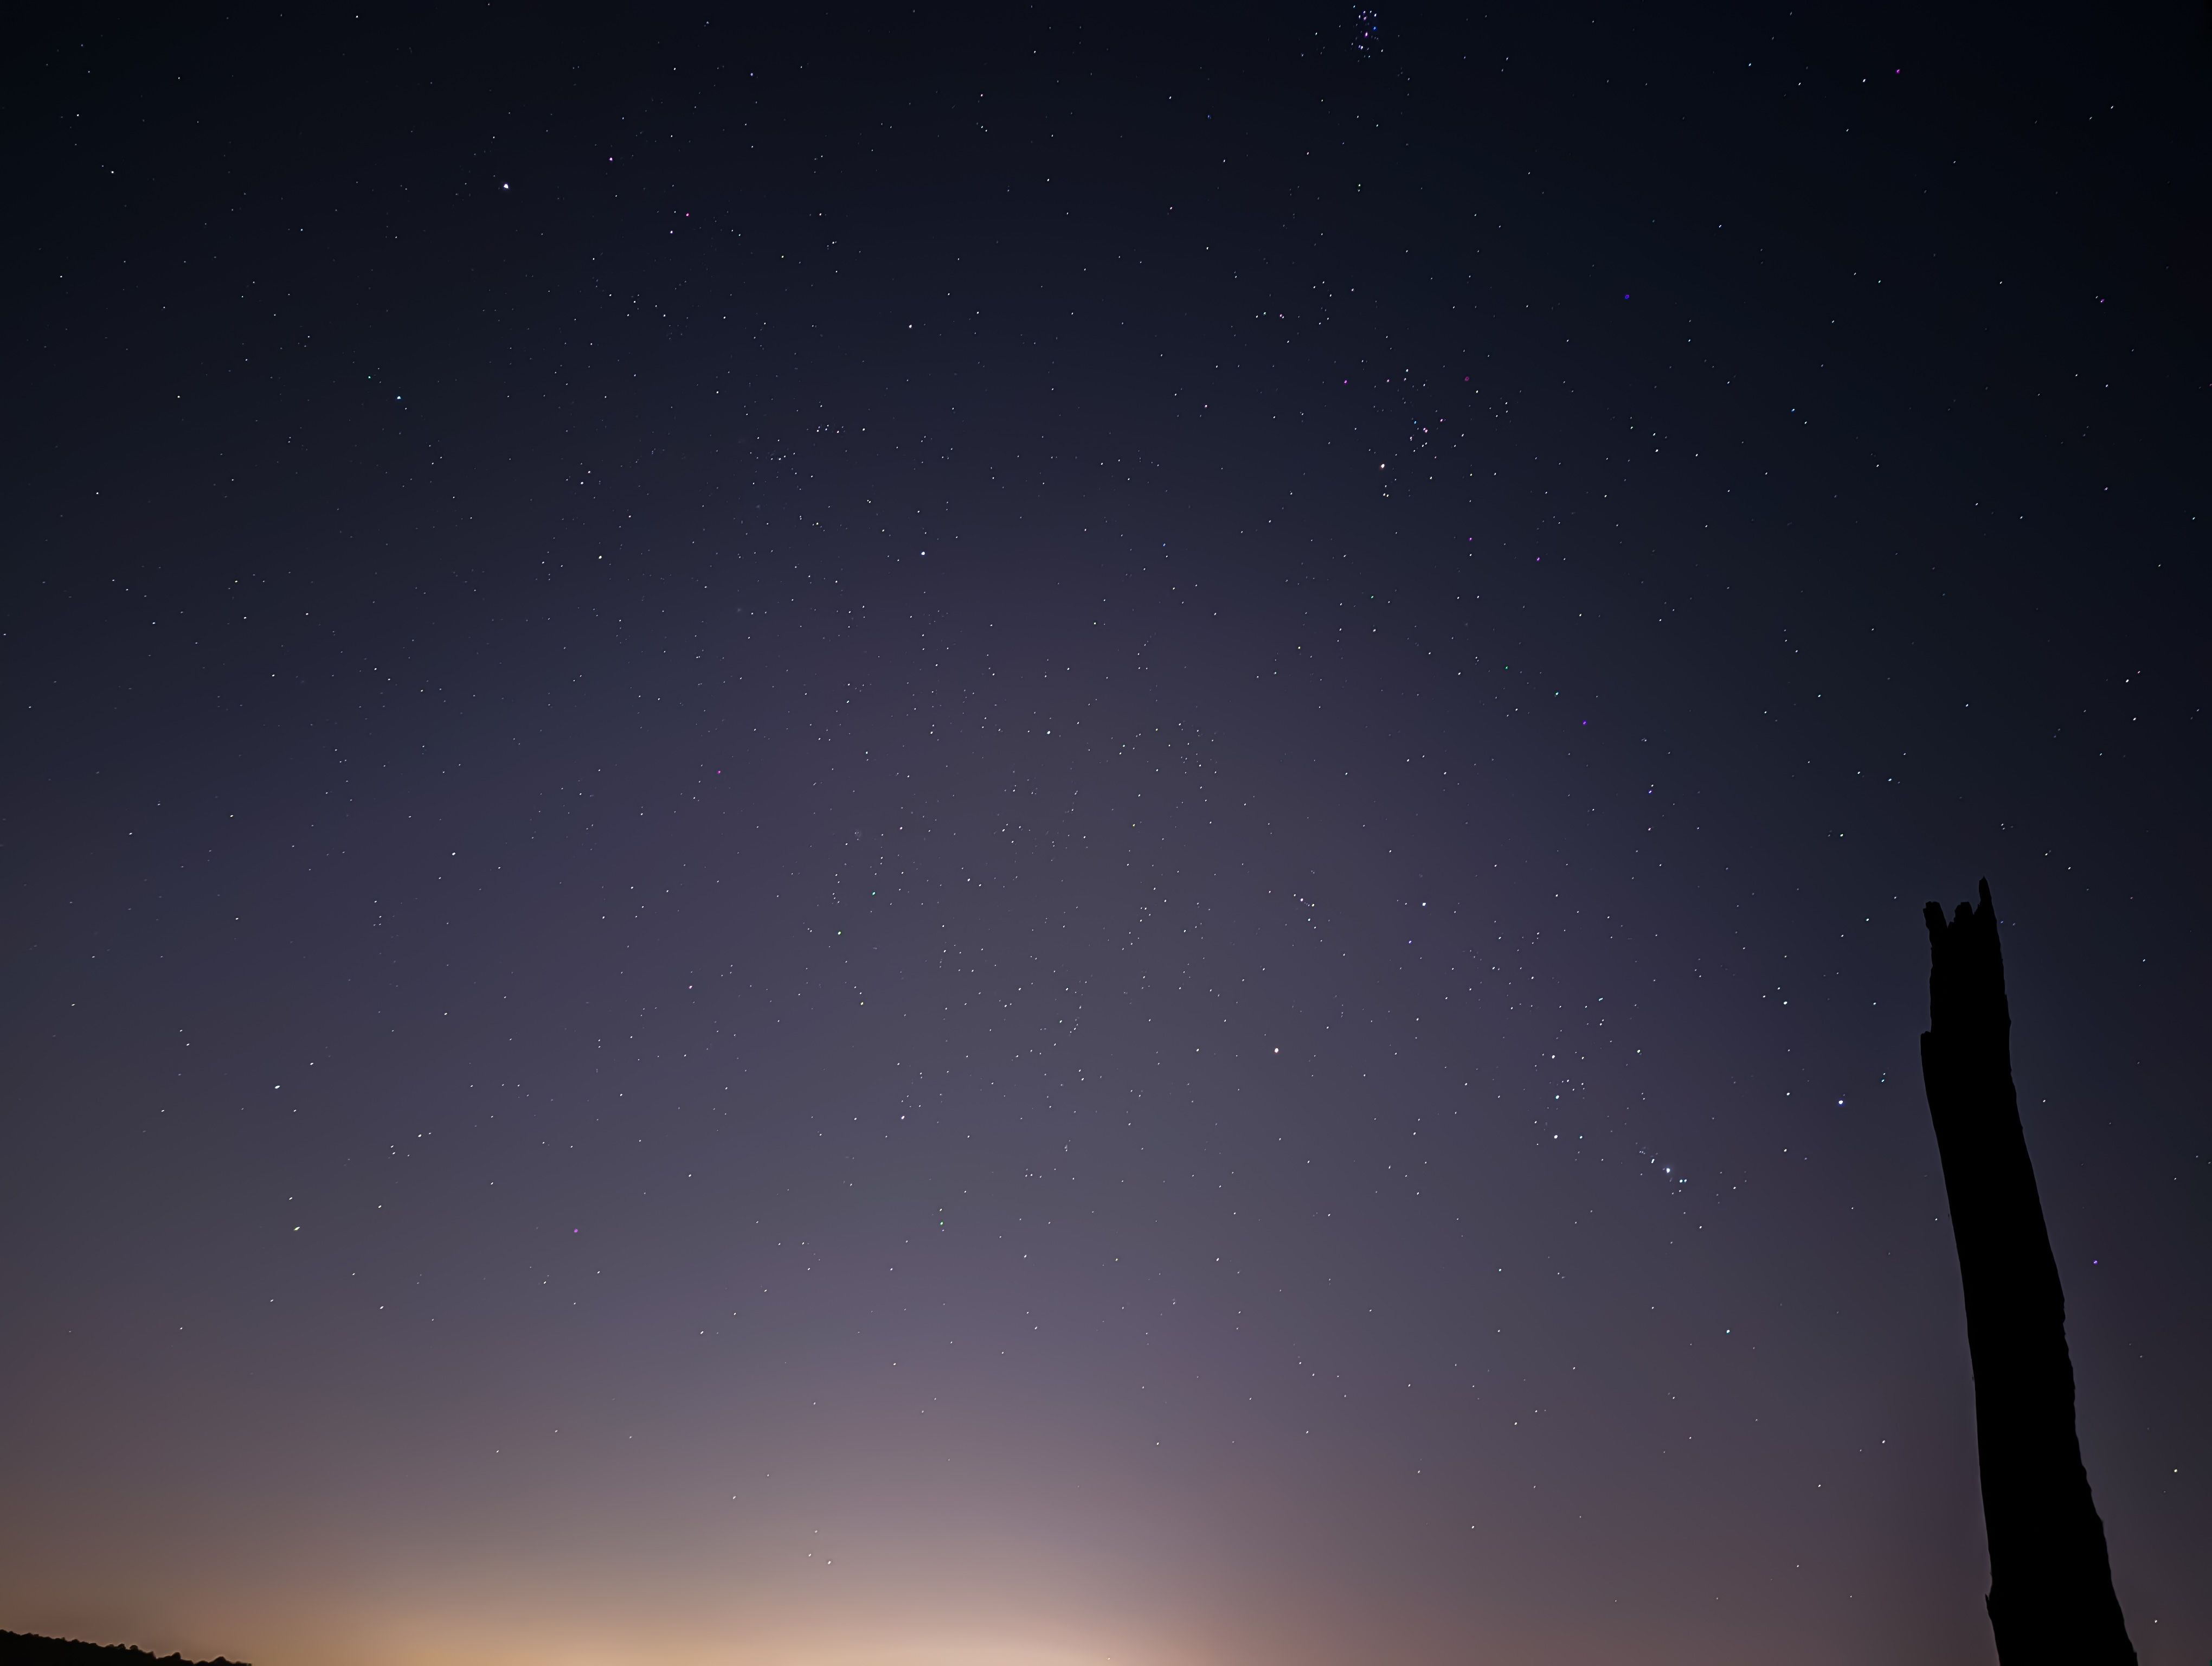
point(931, 839)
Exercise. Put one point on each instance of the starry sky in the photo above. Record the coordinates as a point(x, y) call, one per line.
point(891, 839)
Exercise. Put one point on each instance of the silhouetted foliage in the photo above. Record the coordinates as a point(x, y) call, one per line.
point(21, 1648)
point(2050, 1581)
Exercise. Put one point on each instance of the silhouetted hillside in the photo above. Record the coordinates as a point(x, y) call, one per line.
point(19, 1649)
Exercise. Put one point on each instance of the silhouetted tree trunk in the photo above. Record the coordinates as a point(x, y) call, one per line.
point(2051, 1582)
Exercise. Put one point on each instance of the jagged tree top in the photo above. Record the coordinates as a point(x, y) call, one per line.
point(1966, 984)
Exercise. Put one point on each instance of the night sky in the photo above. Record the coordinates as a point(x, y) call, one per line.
point(1012, 840)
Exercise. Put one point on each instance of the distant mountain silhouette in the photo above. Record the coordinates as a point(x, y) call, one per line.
point(21, 1648)
point(2050, 1597)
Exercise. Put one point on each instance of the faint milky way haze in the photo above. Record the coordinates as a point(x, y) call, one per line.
point(906, 840)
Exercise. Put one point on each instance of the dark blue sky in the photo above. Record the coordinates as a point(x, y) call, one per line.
point(1038, 839)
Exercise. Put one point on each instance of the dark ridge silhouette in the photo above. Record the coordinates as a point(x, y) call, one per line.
point(2050, 1581)
point(21, 1648)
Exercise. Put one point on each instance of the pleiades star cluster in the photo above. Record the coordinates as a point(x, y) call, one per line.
point(1036, 838)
